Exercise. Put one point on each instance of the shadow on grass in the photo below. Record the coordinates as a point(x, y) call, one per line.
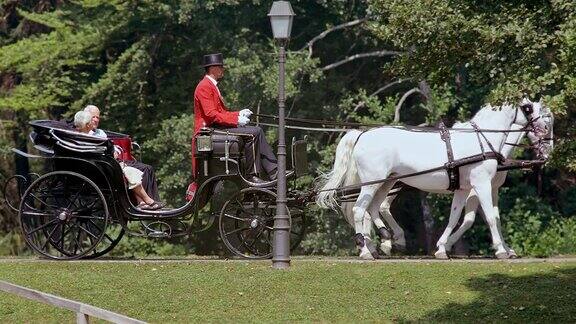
point(546, 297)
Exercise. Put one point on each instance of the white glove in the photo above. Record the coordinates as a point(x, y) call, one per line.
point(246, 113)
point(243, 120)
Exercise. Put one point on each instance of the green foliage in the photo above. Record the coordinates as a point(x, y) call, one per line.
point(363, 108)
point(558, 238)
point(139, 247)
point(169, 152)
point(327, 234)
point(140, 61)
point(492, 51)
point(443, 99)
point(12, 244)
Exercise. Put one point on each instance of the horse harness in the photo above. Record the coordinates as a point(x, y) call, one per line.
point(453, 166)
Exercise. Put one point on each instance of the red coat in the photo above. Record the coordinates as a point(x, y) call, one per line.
point(209, 108)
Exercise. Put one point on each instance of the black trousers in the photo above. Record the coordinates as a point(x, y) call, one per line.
point(258, 153)
point(148, 178)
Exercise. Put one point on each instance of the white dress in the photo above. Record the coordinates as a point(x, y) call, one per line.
point(132, 175)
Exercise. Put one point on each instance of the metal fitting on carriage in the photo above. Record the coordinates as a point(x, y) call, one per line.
point(227, 152)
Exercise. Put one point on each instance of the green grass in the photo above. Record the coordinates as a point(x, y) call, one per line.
point(325, 290)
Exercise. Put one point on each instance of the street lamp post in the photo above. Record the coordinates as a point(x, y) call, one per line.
point(281, 16)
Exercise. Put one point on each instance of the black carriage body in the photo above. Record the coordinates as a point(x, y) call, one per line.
point(218, 153)
point(90, 156)
point(81, 162)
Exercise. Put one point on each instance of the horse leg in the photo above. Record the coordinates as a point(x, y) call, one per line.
point(362, 203)
point(373, 210)
point(511, 253)
point(367, 232)
point(484, 192)
point(458, 202)
point(472, 204)
point(398, 239)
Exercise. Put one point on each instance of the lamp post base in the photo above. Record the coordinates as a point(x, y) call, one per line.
point(281, 264)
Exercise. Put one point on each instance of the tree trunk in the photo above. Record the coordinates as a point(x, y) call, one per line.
point(429, 224)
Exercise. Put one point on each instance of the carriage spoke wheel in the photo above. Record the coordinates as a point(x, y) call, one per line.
point(112, 236)
point(297, 226)
point(63, 215)
point(246, 223)
point(19, 184)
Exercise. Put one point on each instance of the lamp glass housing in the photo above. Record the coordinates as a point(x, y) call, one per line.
point(281, 16)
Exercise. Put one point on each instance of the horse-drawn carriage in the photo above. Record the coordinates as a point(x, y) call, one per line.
point(81, 207)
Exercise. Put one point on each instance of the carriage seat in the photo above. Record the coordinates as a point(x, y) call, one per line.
point(214, 141)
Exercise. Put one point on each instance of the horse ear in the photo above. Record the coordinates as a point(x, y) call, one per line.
point(527, 107)
point(525, 102)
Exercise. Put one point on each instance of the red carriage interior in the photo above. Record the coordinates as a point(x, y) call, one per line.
point(125, 143)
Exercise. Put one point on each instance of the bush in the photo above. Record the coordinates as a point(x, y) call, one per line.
point(135, 246)
point(559, 238)
point(13, 244)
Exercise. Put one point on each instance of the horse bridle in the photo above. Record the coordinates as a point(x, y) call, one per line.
point(528, 109)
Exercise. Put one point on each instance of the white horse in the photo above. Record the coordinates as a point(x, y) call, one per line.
point(543, 149)
point(392, 152)
point(398, 239)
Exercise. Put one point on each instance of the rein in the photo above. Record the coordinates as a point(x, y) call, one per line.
point(339, 126)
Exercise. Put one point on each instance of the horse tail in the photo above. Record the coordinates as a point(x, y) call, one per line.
point(351, 178)
point(344, 171)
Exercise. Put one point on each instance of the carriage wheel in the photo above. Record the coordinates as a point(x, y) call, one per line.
point(246, 223)
point(63, 215)
point(112, 236)
point(297, 227)
point(20, 183)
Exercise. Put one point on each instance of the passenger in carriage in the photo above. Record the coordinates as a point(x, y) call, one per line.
point(149, 178)
point(210, 111)
point(83, 123)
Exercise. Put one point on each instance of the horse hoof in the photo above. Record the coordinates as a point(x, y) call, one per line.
point(372, 248)
point(386, 247)
point(399, 248)
point(502, 255)
point(512, 255)
point(441, 255)
point(366, 255)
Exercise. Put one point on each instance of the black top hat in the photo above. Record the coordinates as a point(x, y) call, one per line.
point(213, 59)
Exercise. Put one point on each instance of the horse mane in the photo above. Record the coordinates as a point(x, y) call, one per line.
point(486, 113)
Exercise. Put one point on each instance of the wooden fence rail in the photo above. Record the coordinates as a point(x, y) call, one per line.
point(83, 311)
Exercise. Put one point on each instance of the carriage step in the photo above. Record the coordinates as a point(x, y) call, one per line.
point(158, 234)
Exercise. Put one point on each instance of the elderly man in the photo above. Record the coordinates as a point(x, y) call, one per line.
point(210, 110)
point(149, 178)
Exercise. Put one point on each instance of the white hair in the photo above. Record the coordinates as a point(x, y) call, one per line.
point(90, 108)
point(82, 118)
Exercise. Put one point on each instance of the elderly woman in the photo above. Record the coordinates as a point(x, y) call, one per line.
point(83, 123)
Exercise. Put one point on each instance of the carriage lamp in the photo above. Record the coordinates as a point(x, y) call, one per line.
point(281, 16)
point(204, 143)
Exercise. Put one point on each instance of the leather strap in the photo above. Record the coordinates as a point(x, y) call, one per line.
point(451, 169)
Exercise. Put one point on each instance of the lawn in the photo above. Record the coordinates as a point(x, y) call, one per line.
point(322, 290)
